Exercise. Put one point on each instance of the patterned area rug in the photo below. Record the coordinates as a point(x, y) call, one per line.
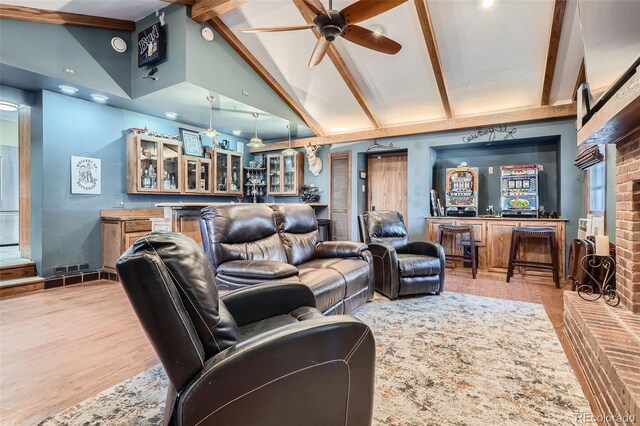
point(455, 359)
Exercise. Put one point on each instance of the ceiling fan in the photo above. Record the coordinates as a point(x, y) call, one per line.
point(332, 24)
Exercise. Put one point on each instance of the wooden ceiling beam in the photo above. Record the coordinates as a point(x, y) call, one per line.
point(204, 10)
point(341, 66)
point(184, 2)
point(552, 53)
point(459, 123)
point(434, 56)
point(581, 79)
point(242, 50)
point(44, 16)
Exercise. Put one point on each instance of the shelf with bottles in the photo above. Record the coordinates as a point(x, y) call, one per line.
point(285, 174)
point(197, 175)
point(228, 172)
point(254, 182)
point(154, 165)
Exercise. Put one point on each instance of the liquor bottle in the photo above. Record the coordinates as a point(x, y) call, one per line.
point(166, 182)
point(172, 180)
point(146, 181)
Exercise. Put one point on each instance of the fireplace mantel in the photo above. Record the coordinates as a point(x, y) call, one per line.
point(618, 117)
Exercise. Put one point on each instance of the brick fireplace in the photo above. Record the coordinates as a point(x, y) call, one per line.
point(628, 222)
point(605, 339)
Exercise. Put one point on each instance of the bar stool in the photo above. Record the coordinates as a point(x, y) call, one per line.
point(462, 231)
point(324, 227)
point(522, 232)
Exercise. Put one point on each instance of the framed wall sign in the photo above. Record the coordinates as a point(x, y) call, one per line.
point(86, 175)
point(152, 45)
point(191, 143)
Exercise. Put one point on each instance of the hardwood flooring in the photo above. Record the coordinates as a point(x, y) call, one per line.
point(61, 346)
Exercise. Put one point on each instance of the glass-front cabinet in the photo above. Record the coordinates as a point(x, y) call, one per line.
point(153, 165)
point(227, 178)
point(284, 174)
point(197, 175)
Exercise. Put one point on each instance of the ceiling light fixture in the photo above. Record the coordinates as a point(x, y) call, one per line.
point(171, 115)
point(8, 106)
point(487, 3)
point(211, 132)
point(99, 98)
point(255, 141)
point(68, 89)
point(289, 151)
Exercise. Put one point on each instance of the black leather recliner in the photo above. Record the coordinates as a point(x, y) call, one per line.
point(261, 355)
point(401, 268)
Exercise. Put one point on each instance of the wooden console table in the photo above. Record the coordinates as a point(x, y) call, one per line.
point(493, 239)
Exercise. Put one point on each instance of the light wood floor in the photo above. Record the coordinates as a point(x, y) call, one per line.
point(61, 346)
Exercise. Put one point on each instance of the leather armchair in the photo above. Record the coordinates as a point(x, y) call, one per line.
point(401, 267)
point(260, 355)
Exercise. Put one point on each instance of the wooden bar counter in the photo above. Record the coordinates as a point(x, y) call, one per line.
point(493, 239)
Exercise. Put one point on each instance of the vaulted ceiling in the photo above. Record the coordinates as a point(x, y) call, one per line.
point(490, 59)
point(458, 58)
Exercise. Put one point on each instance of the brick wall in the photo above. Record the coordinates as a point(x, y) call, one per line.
point(628, 221)
point(606, 342)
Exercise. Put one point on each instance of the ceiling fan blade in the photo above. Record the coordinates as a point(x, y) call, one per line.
point(317, 7)
point(371, 40)
point(275, 29)
point(319, 51)
point(365, 9)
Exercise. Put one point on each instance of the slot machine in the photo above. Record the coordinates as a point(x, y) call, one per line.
point(462, 191)
point(519, 190)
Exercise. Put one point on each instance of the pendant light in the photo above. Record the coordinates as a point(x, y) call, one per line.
point(255, 141)
point(211, 132)
point(289, 151)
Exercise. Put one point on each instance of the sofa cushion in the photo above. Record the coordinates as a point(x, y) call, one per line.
point(240, 232)
point(298, 228)
point(413, 265)
point(328, 286)
point(385, 227)
point(258, 269)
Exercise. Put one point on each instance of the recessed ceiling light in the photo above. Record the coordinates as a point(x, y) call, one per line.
point(237, 132)
point(99, 98)
point(68, 89)
point(119, 45)
point(171, 115)
point(487, 3)
point(8, 106)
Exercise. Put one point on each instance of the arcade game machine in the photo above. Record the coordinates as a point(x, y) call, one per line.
point(462, 191)
point(519, 190)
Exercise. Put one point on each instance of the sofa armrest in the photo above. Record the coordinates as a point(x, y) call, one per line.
point(428, 248)
point(270, 375)
point(385, 266)
point(257, 269)
point(329, 249)
point(263, 301)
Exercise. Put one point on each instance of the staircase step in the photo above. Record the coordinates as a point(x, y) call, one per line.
point(17, 286)
point(17, 270)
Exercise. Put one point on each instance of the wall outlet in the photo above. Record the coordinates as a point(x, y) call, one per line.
point(490, 170)
point(364, 188)
point(117, 204)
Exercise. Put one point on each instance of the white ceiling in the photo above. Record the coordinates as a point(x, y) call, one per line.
point(492, 59)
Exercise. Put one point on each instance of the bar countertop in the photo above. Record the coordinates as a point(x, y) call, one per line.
point(518, 219)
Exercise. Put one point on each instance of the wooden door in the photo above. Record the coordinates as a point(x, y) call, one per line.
point(387, 183)
point(340, 197)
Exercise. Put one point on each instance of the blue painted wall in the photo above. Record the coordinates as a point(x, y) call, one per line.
point(69, 231)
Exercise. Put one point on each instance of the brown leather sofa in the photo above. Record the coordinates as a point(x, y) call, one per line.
point(258, 356)
point(401, 267)
point(248, 244)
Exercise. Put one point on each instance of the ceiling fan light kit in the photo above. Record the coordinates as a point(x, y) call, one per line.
point(331, 24)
